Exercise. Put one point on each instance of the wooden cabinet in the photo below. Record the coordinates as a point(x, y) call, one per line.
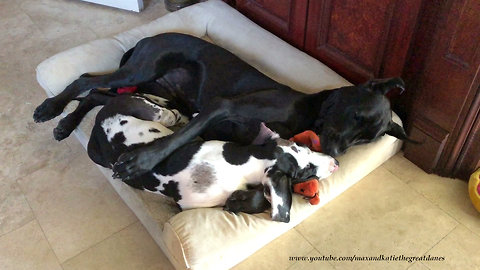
point(358, 39)
point(443, 111)
point(433, 45)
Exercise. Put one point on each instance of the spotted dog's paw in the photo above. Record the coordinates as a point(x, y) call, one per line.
point(233, 203)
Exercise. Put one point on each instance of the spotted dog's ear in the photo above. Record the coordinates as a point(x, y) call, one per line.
point(265, 134)
point(383, 86)
point(398, 132)
point(278, 189)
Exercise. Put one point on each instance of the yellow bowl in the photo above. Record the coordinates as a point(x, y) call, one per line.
point(474, 189)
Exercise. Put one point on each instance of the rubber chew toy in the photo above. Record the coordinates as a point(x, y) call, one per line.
point(309, 189)
point(474, 189)
point(308, 138)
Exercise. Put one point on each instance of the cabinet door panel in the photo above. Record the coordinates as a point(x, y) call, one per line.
point(284, 18)
point(361, 39)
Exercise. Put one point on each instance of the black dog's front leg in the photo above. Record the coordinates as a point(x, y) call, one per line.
point(54, 106)
point(72, 120)
point(143, 159)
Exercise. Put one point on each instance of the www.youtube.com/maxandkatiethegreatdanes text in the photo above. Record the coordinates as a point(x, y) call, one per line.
point(354, 258)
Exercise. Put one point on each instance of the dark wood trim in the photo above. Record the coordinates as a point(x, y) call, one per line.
point(464, 131)
point(398, 45)
point(469, 158)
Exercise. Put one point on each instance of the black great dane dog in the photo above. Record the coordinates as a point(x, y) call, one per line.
point(231, 98)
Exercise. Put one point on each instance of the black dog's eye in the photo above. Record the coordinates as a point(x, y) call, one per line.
point(357, 117)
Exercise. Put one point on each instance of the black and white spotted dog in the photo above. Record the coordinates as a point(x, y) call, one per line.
point(200, 173)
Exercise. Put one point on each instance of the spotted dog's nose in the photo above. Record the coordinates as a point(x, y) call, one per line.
point(334, 165)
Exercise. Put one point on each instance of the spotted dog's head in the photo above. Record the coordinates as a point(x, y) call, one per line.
point(300, 163)
point(294, 163)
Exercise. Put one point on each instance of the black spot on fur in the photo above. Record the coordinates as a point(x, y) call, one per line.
point(170, 189)
point(123, 122)
point(236, 154)
point(178, 160)
point(118, 138)
point(140, 134)
point(203, 177)
point(108, 130)
point(294, 149)
point(154, 130)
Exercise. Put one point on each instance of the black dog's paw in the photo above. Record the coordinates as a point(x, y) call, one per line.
point(63, 130)
point(49, 109)
point(136, 163)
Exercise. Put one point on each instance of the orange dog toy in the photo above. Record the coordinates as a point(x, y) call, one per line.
point(308, 138)
point(309, 190)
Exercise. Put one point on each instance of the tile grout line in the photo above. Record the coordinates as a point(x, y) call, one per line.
point(16, 229)
point(313, 247)
point(48, 241)
point(423, 196)
point(40, 225)
point(295, 228)
point(329, 262)
point(475, 233)
point(425, 265)
point(35, 24)
point(434, 245)
point(440, 208)
point(101, 241)
point(435, 204)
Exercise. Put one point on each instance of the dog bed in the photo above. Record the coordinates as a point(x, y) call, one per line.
point(211, 238)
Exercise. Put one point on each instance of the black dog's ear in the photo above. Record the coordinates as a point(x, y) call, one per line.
point(398, 132)
point(383, 86)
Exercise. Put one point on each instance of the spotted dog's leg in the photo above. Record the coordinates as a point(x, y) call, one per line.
point(249, 201)
point(171, 118)
point(161, 110)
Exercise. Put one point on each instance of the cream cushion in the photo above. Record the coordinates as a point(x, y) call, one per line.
point(211, 238)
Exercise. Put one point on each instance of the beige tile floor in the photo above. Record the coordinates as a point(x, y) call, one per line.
point(57, 211)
